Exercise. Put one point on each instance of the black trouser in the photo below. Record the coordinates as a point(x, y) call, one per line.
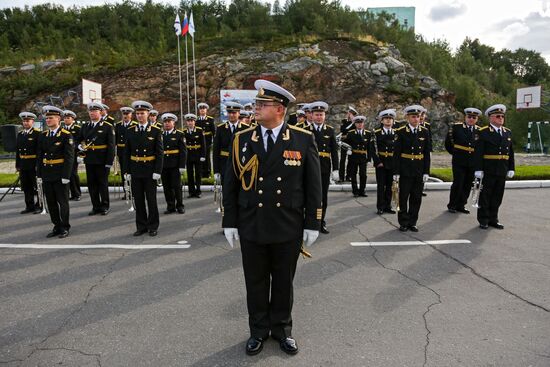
point(342, 172)
point(57, 197)
point(463, 178)
point(145, 188)
point(269, 272)
point(362, 168)
point(98, 186)
point(74, 185)
point(490, 198)
point(194, 177)
point(206, 166)
point(171, 184)
point(27, 178)
point(410, 198)
point(384, 180)
point(325, 181)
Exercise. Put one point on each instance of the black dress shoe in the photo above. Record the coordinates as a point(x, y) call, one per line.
point(53, 234)
point(93, 212)
point(153, 233)
point(254, 346)
point(139, 232)
point(63, 234)
point(451, 210)
point(463, 210)
point(391, 211)
point(424, 194)
point(169, 211)
point(413, 228)
point(198, 196)
point(181, 210)
point(289, 346)
point(37, 211)
point(26, 211)
point(77, 198)
point(483, 226)
point(324, 229)
point(379, 212)
point(104, 212)
point(363, 195)
point(355, 195)
point(403, 228)
point(496, 225)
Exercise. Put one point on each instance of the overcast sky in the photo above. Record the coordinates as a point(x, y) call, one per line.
point(511, 24)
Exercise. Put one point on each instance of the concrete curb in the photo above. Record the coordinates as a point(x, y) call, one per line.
point(430, 186)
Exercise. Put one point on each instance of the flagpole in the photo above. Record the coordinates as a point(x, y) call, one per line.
point(181, 91)
point(194, 74)
point(187, 74)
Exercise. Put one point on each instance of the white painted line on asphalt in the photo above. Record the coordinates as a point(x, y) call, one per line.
point(90, 247)
point(411, 243)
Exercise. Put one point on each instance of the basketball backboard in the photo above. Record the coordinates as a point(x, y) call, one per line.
point(91, 91)
point(528, 97)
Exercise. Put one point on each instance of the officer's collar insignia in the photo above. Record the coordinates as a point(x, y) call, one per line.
point(254, 137)
point(286, 135)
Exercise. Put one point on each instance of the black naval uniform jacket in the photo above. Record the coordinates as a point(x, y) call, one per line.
point(411, 152)
point(55, 155)
point(345, 127)
point(143, 153)
point(195, 144)
point(222, 145)
point(460, 143)
point(75, 131)
point(327, 147)
point(361, 146)
point(494, 154)
point(383, 152)
point(284, 198)
point(175, 152)
point(27, 145)
point(120, 139)
point(208, 127)
point(102, 149)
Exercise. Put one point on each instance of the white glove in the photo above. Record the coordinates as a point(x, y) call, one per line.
point(127, 176)
point(108, 166)
point(217, 177)
point(425, 177)
point(81, 148)
point(396, 178)
point(79, 159)
point(202, 159)
point(65, 181)
point(335, 175)
point(349, 152)
point(182, 171)
point(510, 174)
point(156, 176)
point(38, 180)
point(310, 236)
point(232, 235)
point(478, 174)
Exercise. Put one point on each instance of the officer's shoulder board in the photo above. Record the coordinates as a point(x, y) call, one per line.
point(352, 132)
point(296, 128)
point(250, 128)
point(401, 128)
point(180, 131)
point(377, 130)
point(483, 128)
point(65, 131)
point(155, 127)
point(329, 127)
point(506, 129)
point(107, 123)
point(209, 117)
point(458, 123)
point(221, 125)
point(198, 128)
point(426, 123)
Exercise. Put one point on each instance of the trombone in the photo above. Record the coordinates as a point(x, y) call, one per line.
point(395, 195)
point(128, 193)
point(218, 196)
point(477, 186)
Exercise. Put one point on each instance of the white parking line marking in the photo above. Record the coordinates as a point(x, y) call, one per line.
point(411, 243)
point(92, 246)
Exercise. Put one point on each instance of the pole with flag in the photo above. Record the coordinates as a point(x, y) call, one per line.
point(177, 29)
point(192, 33)
point(184, 31)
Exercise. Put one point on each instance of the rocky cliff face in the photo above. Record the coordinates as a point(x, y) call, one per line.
point(342, 73)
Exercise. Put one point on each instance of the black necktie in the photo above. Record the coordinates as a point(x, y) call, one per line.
point(270, 142)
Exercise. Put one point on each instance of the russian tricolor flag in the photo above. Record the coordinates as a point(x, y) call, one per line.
point(185, 26)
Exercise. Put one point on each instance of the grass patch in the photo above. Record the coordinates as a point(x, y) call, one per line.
point(522, 173)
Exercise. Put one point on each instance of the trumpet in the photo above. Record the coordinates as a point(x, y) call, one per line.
point(218, 199)
point(128, 192)
point(395, 194)
point(477, 186)
point(41, 196)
